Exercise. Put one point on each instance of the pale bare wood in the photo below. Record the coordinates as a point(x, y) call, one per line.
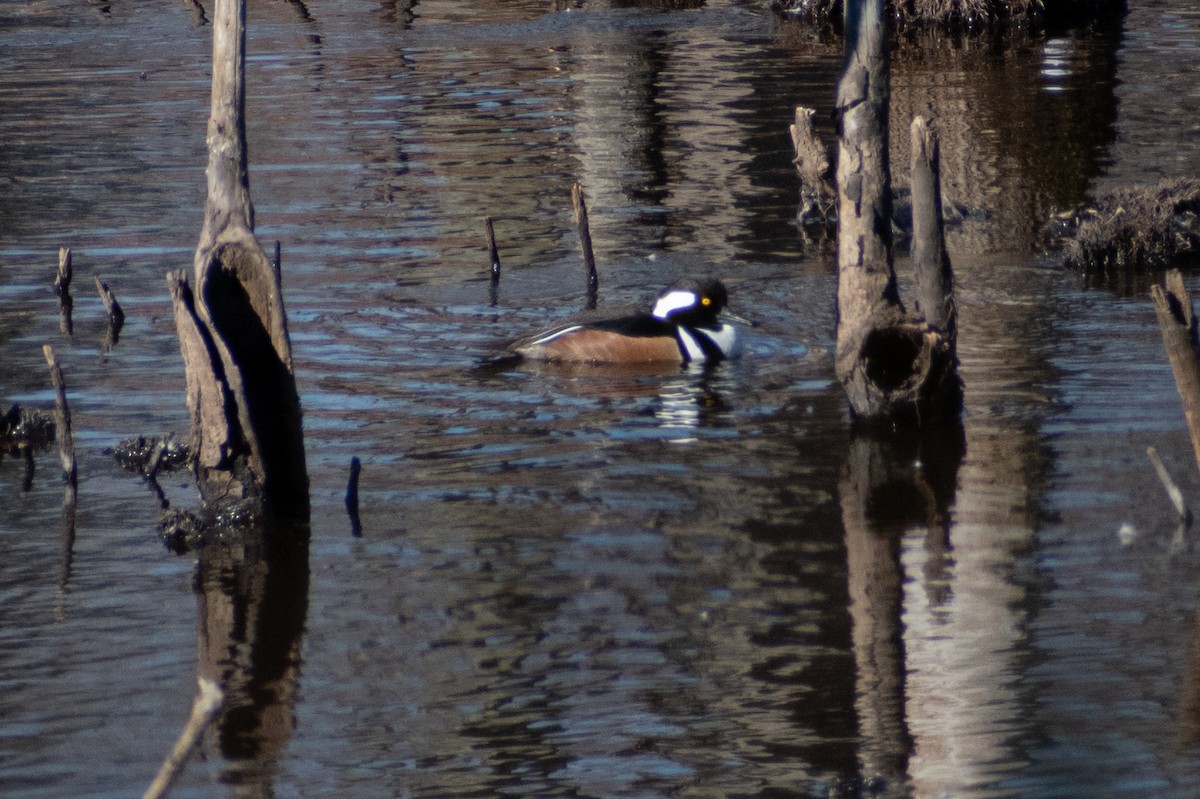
point(205, 707)
point(62, 422)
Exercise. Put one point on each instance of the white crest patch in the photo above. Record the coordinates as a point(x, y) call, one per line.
point(674, 301)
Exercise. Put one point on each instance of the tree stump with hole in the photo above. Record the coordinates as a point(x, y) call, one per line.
point(895, 367)
point(246, 431)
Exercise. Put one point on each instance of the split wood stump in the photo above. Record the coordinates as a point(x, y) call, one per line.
point(896, 367)
point(247, 431)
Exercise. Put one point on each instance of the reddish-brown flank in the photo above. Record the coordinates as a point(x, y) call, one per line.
point(603, 346)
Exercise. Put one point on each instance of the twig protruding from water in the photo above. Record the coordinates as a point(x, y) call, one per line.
point(62, 287)
point(585, 243)
point(62, 421)
point(352, 497)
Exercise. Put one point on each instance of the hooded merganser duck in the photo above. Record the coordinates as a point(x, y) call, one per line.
point(682, 327)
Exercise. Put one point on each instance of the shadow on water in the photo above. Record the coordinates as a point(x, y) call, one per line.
point(252, 605)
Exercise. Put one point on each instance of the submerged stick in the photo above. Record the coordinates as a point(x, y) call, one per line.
point(62, 287)
point(352, 497)
point(585, 243)
point(62, 420)
point(493, 251)
point(1173, 492)
point(204, 709)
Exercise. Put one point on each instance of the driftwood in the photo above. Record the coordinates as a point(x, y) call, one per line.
point(894, 366)
point(241, 392)
point(585, 243)
point(1177, 322)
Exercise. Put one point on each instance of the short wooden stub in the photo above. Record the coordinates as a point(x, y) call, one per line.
point(585, 243)
point(62, 421)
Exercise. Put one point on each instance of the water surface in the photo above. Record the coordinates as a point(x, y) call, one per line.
point(594, 582)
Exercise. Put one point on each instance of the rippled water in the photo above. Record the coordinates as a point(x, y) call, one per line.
point(594, 582)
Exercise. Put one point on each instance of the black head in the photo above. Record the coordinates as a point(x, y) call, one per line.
point(697, 305)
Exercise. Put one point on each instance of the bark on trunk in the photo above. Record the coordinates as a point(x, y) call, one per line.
point(935, 280)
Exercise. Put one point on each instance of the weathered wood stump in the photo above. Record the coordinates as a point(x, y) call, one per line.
point(895, 366)
point(246, 420)
point(817, 211)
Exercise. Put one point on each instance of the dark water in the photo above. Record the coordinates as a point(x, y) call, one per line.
point(594, 583)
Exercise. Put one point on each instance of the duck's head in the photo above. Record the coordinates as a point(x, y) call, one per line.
point(696, 305)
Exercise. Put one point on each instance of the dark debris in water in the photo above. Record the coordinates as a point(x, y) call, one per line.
point(184, 531)
point(149, 455)
point(1133, 229)
point(22, 429)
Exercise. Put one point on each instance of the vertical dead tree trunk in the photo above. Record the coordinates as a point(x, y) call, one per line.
point(246, 420)
point(893, 366)
point(1177, 321)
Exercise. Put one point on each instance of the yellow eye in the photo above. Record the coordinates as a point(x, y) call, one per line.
point(705, 301)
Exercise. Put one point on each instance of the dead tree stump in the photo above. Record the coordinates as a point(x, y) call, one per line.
point(246, 419)
point(931, 262)
point(894, 366)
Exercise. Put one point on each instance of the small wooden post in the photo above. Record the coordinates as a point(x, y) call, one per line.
point(352, 497)
point(62, 287)
point(1177, 321)
point(62, 421)
point(116, 316)
point(585, 243)
point(493, 251)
